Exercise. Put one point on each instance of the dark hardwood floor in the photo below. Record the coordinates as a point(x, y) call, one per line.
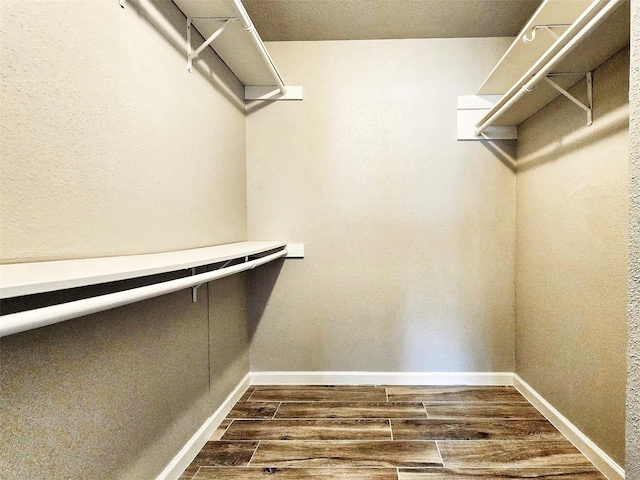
point(387, 433)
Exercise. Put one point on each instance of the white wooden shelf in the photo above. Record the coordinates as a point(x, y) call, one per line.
point(239, 46)
point(38, 277)
point(589, 33)
point(521, 55)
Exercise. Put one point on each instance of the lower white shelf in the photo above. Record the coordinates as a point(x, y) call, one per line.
point(40, 277)
point(37, 277)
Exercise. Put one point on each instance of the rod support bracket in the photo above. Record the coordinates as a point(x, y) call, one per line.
point(547, 28)
point(194, 293)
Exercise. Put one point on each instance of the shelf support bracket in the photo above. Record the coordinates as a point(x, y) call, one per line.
point(587, 108)
point(194, 289)
point(207, 42)
point(194, 293)
point(546, 28)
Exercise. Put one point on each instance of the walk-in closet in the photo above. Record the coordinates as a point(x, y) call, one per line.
point(305, 239)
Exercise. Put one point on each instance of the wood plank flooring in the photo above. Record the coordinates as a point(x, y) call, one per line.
point(387, 433)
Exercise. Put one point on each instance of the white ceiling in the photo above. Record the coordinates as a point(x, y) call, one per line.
point(294, 20)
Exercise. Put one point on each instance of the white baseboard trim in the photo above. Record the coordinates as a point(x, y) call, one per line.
point(601, 460)
point(186, 455)
point(381, 378)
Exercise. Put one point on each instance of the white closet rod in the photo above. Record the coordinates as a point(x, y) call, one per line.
point(40, 317)
point(248, 26)
point(542, 74)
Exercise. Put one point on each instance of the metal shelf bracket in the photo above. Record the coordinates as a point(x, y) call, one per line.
point(207, 42)
point(194, 293)
point(589, 106)
point(194, 289)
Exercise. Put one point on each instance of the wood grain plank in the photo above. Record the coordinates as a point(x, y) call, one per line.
point(511, 453)
point(575, 473)
point(351, 410)
point(344, 432)
point(217, 435)
point(249, 473)
point(253, 410)
point(455, 394)
point(318, 394)
point(518, 411)
point(347, 454)
point(245, 396)
point(225, 454)
point(308, 430)
point(474, 430)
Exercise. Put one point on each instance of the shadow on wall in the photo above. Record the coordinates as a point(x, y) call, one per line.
point(609, 124)
point(503, 150)
point(611, 116)
point(171, 24)
point(572, 137)
point(257, 105)
point(260, 283)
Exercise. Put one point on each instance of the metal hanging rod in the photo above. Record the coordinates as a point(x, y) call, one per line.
point(542, 74)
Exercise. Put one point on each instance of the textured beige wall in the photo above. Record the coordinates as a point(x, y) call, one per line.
point(571, 275)
point(409, 234)
point(118, 394)
point(114, 395)
point(110, 147)
point(633, 367)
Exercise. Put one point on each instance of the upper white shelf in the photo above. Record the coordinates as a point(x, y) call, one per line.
point(38, 277)
point(606, 40)
point(588, 32)
point(522, 54)
point(239, 46)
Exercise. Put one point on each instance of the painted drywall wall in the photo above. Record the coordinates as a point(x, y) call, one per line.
point(110, 147)
point(114, 395)
point(409, 234)
point(571, 256)
point(118, 394)
point(632, 469)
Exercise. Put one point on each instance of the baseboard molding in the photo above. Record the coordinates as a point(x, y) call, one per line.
point(186, 455)
point(601, 460)
point(381, 378)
